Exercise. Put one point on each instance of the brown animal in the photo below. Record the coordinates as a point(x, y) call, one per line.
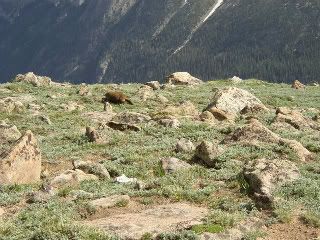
point(117, 98)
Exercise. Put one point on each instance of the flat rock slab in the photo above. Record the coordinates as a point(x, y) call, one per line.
point(163, 218)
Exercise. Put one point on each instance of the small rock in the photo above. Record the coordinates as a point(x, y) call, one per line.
point(236, 80)
point(107, 107)
point(125, 179)
point(221, 115)
point(184, 109)
point(123, 126)
point(162, 99)
point(38, 197)
point(171, 165)
point(9, 105)
point(297, 85)
point(207, 152)
point(145, 93)
point(155, 85)
point(71, 106)
point(84, 91)
point(45, 119)
point(184, 145)
point(182, 78)
point(93, 135)
point(131, 118)
point(207, 116)
point(170, 122)
point(80, 194)
point(8, 133)
point(2, 212)
point(109, 202)
point(71, 178)
point(92, 168)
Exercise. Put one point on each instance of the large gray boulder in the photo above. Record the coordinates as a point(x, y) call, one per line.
point(233, 100)
point(182, 78)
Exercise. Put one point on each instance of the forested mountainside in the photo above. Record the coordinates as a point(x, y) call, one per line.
point(141, 40)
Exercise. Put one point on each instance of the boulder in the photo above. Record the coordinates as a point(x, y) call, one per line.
point(31, 78)
point(207, 116)
point(171, 165)
point(155, 220)
point(10, 105)
point(93, 135)
point(22, 163)
point(297, 85)
point(99, 117)
point(84, 91)
point(145, 93)
point(236, 80)
point(264, 176)
point(131, 118)
point(221, 115)
point(254, 133)
point(155, 85)
point(169, 122)
point(207, 152)
point(8, 133)
point(254, 109)
point(109, 202)
point(71, 178)
point(123, 126)
point(184, 145)
point(233, 100)
point(92, 168)
point(182, 78)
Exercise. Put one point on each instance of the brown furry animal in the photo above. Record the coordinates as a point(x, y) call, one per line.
point(117, 98)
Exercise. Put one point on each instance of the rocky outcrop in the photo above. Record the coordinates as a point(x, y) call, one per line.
point(182, 78)
point(255, 133)
point(31, 78)
point(233, 100)
point(297, 85)
point(156, 220)
point(264, 176)
point(171, 165)
point(9, 105)
point(22, 163)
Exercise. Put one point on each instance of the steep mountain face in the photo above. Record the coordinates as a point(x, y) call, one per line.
point(138, 40)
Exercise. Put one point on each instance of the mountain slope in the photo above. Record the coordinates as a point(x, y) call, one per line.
point(139, 40)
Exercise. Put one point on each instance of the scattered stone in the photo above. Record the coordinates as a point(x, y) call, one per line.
point(80, 194)
point(109, 202)
point(84, 91)
point(170, 122)
point(264, 176)
point(38, 197)
point(123, 126)
point(124, 179)
point(30, 77)
point(99, 117)
point(254, 109)
point(233, 100)
point(71, 178)
point(207, 152)
point(9, 105)
point(8, 133)
point(155, 85)
point(92, 168)
point(184, 145)
point(171, 165)
point(156, 220)
point(162, 99)
point(131, 118)
point(182, 78)
point(145, 93)
point(298, 85)
point(22, 163)
point(236, 80)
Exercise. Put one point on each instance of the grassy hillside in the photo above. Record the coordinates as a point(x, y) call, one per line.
point(137, 154)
